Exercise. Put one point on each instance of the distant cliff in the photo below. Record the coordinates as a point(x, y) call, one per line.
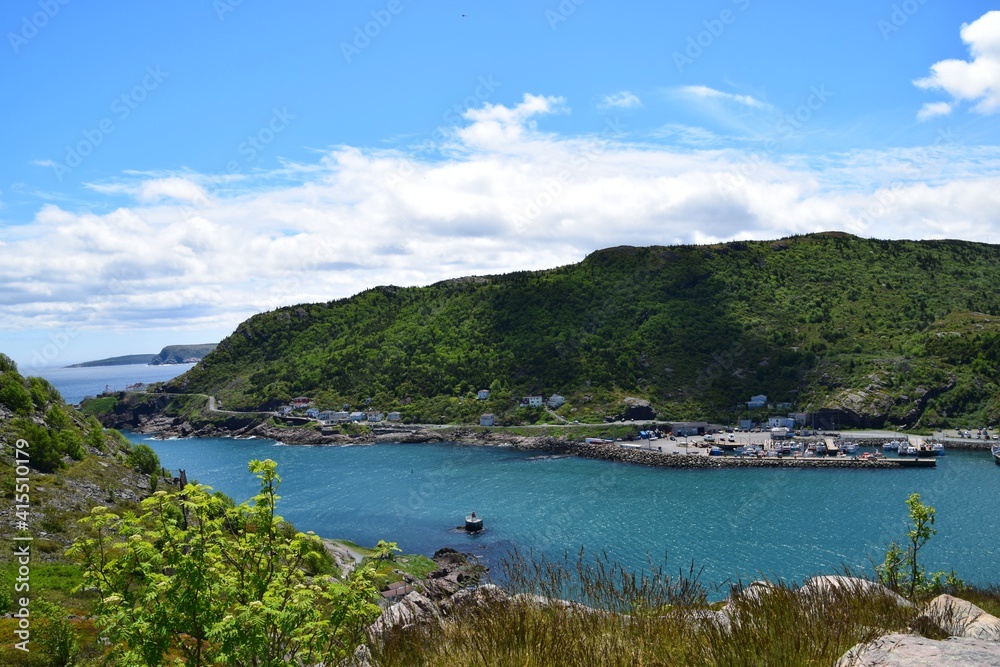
point(181, 354)
point(171, 354)
point(127, 360)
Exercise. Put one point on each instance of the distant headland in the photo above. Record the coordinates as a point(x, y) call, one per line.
point(171, 354)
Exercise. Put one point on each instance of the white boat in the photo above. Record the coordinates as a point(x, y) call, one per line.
point(849, 447)
point(995, 450)
point(907, 450)
point(937, 449)
point(890, 446)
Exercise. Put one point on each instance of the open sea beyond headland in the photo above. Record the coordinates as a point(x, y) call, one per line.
point(75, 383)
point(734, 523)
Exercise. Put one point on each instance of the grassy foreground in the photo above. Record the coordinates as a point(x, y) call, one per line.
point(650, 619)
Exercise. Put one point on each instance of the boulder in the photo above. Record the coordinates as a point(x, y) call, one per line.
point(959, 618)
point(898, 650)
point(853, 585)
point(411, 610)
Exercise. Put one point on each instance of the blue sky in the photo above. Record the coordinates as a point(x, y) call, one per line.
point(169, 169)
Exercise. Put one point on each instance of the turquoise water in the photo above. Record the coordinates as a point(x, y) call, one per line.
point(75, 383)
point(789, 523)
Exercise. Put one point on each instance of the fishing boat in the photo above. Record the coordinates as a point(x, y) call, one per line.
point(996, 454)
point(937, 449)
point(716, 451)
point(907, 450)
point(849, 448)
point(891, 446)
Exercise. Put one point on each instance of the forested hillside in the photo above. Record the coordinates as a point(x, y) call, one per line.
point(885, 330)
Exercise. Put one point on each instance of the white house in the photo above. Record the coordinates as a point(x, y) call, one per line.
point(285, 409)
point(757, 402)
point(313, 413)
point(486, 420)
point(781, 422)
point(334, 416)
point(532, 401)
point(555, 400)
point(357, 416)
point(482, 394)
point(375, 416)
point(393, 416)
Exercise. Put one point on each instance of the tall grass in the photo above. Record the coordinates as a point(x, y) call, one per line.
point(590, 611)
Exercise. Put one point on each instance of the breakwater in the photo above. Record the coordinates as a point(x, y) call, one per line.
point(609, 452)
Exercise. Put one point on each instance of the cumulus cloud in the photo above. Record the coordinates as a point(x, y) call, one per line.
point(976, 80)
point(501, 195)
point(620, 100)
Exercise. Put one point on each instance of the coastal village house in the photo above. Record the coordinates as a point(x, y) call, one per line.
point(375, 416)
point(482, 394)
point(393, 416)
point(285, 410)
point(334, 416)
point(301, 402)
point(781, 422)
point(555, 400)
point(312, 413)
point(357, 416)
point(532, 401)
point(486, 420)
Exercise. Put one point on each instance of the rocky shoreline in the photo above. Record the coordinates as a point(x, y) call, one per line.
point(166, 427)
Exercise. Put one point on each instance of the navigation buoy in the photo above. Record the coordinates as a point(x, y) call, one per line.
point(473, 523)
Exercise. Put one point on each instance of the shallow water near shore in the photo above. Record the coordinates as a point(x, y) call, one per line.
point(734, 523)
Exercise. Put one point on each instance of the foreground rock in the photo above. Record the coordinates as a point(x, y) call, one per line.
point(959, 618)
point(898, 650)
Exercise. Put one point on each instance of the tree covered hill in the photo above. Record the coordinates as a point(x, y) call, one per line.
point(882, 330)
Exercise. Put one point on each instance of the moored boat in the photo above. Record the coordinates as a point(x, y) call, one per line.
point(996, 454)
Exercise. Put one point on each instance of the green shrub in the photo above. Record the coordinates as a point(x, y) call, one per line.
point(14, 394)
point(144, 459)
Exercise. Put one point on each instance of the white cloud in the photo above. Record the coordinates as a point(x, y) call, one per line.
point(620, 100)
point(502, 196)
point(977, 80)
point(706, 93)
point(933, 109)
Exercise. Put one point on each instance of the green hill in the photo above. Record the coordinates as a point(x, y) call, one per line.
point(898, 331)
point(179, 354)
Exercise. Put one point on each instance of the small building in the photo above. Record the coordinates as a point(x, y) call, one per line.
point(482, 394)
point(313, 413)
point(356, 416)
point(285, 410)
point(781, 422)
point(333, 416)
point(301, 401)
point(555, 401)
point(683, 429)
point(779, 433)
point(393, 416)
point(375, 416)
point(486, 420)
point(757, 402)
point(799, 417)
point(532, 401)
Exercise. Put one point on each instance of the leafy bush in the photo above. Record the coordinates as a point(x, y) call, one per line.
point(144, 459)
point(193, 578)
point(14, 394)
